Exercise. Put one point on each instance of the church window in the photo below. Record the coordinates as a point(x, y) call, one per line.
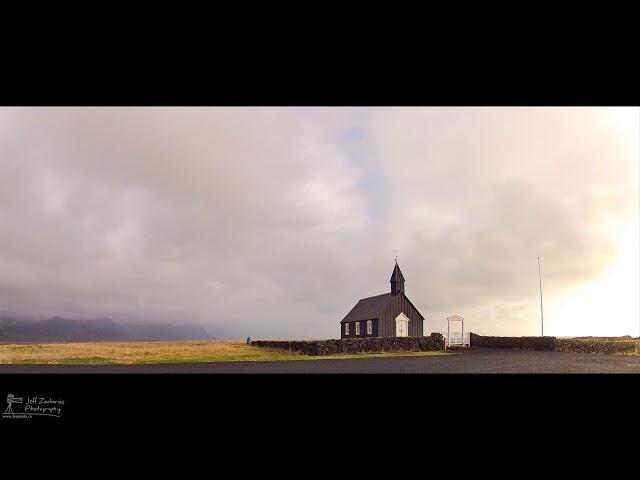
point(369, 327)
point(346, 329)
point(357, 328)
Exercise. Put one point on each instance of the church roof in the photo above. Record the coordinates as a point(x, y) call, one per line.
point(397, 274)
point(368, 308)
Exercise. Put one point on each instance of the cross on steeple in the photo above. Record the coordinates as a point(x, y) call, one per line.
point(396, 252)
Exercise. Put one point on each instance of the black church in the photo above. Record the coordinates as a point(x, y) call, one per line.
point(387, 315)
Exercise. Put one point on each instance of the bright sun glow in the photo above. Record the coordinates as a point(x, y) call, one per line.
point(627, 120)
point(610, 305)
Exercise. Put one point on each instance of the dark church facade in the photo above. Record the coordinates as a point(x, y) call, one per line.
point(387, 315)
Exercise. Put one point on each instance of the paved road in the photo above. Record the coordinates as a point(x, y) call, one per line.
point(481, 360)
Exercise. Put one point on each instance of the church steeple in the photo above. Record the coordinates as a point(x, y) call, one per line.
point(397, 281)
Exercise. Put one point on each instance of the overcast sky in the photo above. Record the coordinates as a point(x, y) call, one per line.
point(273, 222)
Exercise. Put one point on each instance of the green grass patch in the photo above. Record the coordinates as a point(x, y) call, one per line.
point(284, 356)
point(69, 361)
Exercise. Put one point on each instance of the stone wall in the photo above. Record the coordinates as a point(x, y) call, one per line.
point(584, 345)
point(597, 346)
point(436, 342)
point(357, 345)
point(524, 343)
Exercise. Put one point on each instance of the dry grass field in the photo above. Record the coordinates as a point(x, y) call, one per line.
point(158, 352)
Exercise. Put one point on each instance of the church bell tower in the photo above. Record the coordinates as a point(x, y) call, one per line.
point(397, 281)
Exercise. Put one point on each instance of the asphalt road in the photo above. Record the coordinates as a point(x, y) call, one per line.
point(480, 360)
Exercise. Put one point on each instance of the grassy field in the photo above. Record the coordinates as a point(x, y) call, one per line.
point(159, 352)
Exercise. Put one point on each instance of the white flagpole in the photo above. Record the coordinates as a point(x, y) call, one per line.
point(541, 312)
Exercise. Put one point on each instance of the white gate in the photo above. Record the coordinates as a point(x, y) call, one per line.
point(456, 336)
point(458, 339)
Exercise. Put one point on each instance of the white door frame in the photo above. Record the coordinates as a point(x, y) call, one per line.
point(402, 318)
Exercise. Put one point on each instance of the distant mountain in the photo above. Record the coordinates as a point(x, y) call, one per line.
point(59, 329)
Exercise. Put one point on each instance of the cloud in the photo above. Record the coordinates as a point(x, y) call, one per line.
point(273, 221)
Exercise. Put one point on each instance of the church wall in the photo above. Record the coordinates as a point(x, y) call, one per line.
point(388, 318)
point(363, 329)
